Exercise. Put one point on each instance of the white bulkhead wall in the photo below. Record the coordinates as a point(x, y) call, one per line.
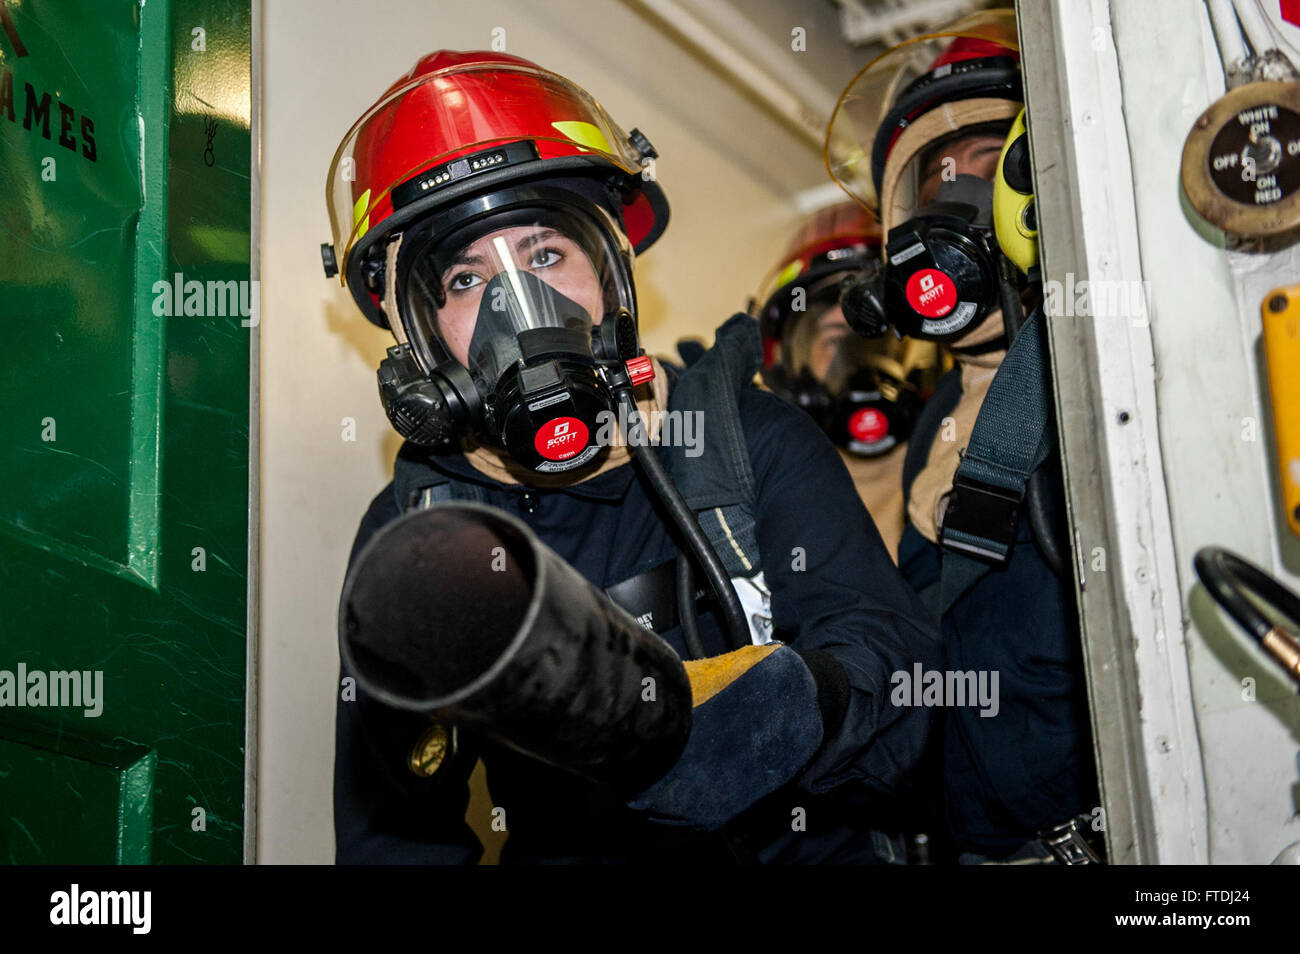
point(1201, 763)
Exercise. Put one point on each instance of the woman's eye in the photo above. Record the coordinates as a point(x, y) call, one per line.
point(543, 258)
point(463, 281)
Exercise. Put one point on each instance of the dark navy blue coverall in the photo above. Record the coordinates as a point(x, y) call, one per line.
point(1029, 768)
point(845, 598)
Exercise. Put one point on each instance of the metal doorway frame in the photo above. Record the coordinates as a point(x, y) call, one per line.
point(1127, 582)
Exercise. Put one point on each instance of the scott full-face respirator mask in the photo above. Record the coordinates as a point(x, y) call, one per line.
point(865, 395)
point(518, 314)
point(485, 210)
point(905, 136)
point(858, 391)
point(945, 270)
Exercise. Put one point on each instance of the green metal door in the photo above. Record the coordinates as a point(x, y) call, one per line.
point(127, 322)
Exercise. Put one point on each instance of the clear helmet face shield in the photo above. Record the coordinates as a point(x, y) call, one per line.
point(898, 86)
point(963, 142)
point(857, 389)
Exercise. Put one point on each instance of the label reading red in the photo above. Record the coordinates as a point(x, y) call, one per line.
point(560, 438)
point(931, 292)
point(868, 425)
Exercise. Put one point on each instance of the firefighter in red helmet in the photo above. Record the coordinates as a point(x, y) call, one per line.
point(525, 590)
point(922, 134)
point(865, 394)
point(467, 121)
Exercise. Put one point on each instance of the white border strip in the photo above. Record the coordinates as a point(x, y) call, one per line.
point(254, 443)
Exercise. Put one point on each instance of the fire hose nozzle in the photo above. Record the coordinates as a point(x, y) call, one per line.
point(461, 612)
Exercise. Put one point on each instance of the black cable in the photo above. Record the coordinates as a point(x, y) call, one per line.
point(736, 846)
point(686, 607)
point(1040, 522)
point(1229, 579)
point(684, 518)
point(1013, 313)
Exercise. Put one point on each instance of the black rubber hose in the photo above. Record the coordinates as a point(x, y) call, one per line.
point(1040, 522)
point(686, 607)
point(1229, 578)
point(1013, 312)
point(684, 518)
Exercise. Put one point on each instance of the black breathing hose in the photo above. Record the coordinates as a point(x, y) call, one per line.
point(1013, 314)
point(686, 607)
point(1040, 522)
point(684, 518)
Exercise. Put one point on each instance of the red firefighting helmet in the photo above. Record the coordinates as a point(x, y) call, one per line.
point(463, 124)
point(833, 242)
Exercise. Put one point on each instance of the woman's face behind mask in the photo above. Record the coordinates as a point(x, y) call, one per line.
point(546, 253)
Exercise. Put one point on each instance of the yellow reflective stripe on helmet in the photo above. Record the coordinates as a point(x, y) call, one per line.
point(789, 273)
point(360, 228)
point(585, 134)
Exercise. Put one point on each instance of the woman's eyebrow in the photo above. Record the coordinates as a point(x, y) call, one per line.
point(466, 259)
point(528, 241)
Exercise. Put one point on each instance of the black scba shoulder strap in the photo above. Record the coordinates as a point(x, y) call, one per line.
point(416, 484)
point(1010, 440)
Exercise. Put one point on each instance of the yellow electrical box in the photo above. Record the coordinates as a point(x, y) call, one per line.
point(1281, 313)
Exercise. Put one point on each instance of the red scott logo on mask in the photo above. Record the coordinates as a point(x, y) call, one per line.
point(868, 425)
point(560, 438)
point(931, 293)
